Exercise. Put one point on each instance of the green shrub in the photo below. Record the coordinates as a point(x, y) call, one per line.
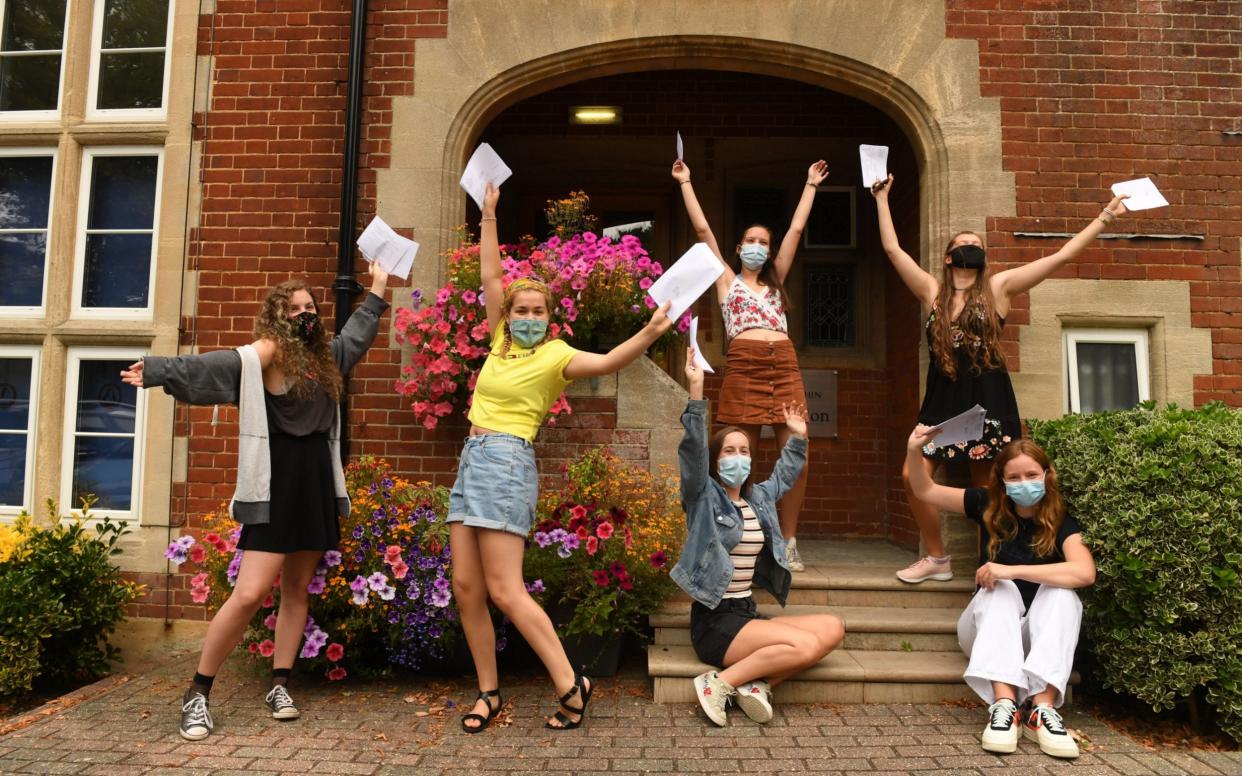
point(60, 599)
point(1159, 496)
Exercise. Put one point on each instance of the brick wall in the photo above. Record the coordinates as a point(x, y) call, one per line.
point(1113, 90)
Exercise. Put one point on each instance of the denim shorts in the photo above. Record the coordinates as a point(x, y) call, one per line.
point(497, 484)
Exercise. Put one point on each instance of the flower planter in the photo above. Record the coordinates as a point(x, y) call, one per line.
point(595, 656)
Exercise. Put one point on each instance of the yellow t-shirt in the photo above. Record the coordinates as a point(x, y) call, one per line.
point(515, 392)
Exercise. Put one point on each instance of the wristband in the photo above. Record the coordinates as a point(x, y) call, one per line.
point(683, 183)
point(487, 218)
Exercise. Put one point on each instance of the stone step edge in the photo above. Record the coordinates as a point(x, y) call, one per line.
point(862, 619)
point(874, 578)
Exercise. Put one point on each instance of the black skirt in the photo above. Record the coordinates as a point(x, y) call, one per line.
point(303, 508)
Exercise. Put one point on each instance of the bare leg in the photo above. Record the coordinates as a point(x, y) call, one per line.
point(771, 648)
point(501, 553)
point(1003, 690)
point(791, 505)
point(926, 516)
point(298, 569)
point(470, 590)
point(828, 628)
point(254, 581)
point(1047, 697)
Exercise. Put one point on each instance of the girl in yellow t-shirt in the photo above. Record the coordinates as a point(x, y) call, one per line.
point(493, 500)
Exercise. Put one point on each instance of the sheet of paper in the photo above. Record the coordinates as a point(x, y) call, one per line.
point(1143, 194)
point(699, 361)
point(874, 163)
point(379, 243)
point(687, 279)
point(618, 231)
point(681, 147)
point(966, 427)
point(484, 167)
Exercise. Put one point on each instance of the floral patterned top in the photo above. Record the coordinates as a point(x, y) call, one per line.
point(744, 309)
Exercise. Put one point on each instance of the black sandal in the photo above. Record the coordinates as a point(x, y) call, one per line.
point(577, 689)
point(492, 712)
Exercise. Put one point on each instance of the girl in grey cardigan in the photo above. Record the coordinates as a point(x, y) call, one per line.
point(290, 491)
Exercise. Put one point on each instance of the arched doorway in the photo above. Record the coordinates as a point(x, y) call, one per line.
point(749, 140)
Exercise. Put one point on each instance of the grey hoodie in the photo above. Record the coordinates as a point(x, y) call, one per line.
point(236, 377)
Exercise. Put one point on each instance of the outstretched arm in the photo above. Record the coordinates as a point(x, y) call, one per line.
point(489, 258)
point(918, 280)
point(595, 365)
point(702, 231)
point(923, 487)
point(815, 175)
point(1012, 282)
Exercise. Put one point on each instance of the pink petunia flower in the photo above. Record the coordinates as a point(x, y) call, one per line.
point(337, 674)
point(335, 652)
point(592, 545)
point(604, 530)
point(267, 647)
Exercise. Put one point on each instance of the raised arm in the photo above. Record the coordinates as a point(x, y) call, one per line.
point(359, 331)
point(489, 259)
point(595, 365)
point(793, 455)
point(702, 231)
point(1077, 570)
point(921, 484)
point(815, 175)
point(918, 280)
point(1012, 282)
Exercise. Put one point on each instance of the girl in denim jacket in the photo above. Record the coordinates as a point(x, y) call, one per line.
point(734, 542)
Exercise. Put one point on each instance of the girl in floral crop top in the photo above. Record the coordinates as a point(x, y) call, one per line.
point(761, 370)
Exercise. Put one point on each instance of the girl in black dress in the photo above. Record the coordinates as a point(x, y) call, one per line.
point(964, 318)
point(290, 486)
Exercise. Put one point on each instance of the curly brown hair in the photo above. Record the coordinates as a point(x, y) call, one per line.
point(305, 364)
point(978, 322)
point(1000, 518)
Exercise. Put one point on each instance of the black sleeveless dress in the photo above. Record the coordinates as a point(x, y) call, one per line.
point(303, 507)
point(991, 389)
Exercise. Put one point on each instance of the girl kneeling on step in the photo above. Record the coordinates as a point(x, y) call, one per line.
point(734, 541)
point(1021, 627)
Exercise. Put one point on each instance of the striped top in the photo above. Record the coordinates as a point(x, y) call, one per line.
point(745, 553)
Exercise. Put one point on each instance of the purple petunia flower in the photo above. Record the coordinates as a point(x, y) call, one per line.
point(332, 558)
point(234, 568)
point(388, 593)
point(564, 551)
point(441, 598)
point(317, 585)
point(571, 542)
point(542, 539)
point(557, 534)
point(178, 549)
point(535, 587)
point(359, 597)
point(377, 581)
point(441, 584)
point(359, 585)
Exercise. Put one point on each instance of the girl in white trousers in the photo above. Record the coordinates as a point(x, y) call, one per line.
point(1021, 627)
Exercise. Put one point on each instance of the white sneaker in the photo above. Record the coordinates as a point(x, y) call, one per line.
point(1001, 734)
point(195, 718)
point(755, 700)
point(1045, 726)
point(924, 569)
point(281, 704)
point(714, 693)
point(792, 558)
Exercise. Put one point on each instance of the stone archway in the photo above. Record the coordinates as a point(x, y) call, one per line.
point(891, 54)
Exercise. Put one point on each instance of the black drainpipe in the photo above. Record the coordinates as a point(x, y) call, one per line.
point(346, 287)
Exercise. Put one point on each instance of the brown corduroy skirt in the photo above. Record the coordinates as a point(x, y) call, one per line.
point(760, 378)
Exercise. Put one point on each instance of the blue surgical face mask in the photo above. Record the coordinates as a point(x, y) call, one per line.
point(528, 332)
point(1027, 493)
point(753, 255)
point(734, 470)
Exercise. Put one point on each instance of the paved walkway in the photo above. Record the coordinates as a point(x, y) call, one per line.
point(411, 727)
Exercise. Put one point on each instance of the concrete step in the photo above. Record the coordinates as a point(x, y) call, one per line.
point(870, 586)
point(866, 627)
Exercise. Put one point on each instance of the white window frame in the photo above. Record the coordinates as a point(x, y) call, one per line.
point(1139, 338)
point(75, 356)
point(33, 352)
point(40, 115)
point(79, 254)
point(13, 311)
point(94, 113)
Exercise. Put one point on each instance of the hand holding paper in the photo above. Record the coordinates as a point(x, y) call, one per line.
point(685, 281)
point(681, 148)
point(699, 361)
point(394, 253)
point(874, 160)
point(1143, 194)
point(966, 427)
point(484, 167)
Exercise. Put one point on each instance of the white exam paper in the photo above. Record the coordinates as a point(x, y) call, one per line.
point(379, 243)
point(874, 161)
point(681, 148)
point(699, 361)
point(966, 427)
point(1143, 194)
point(687, 279)
point(484, 167)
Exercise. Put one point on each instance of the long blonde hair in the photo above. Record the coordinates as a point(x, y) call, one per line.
point(1001, 520)
point(977, 321)
point(304, 363)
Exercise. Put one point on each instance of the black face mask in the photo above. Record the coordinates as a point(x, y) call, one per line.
point(967, 257)
point(306, 325)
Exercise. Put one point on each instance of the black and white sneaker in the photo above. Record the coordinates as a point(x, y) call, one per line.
point(1001, 734)
point(281, 704)
point(195, 718)
point(1045, 726)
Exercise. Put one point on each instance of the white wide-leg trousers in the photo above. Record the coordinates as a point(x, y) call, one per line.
point(1031, 650)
